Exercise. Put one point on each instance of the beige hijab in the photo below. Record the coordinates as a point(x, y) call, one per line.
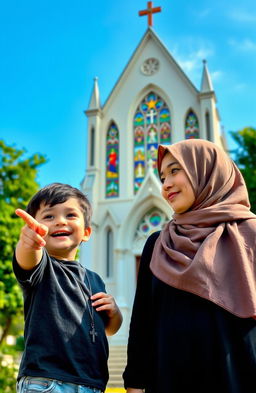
point(210, 249)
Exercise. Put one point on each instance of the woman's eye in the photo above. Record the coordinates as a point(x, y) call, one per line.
point(175, 170)
point(162, 180)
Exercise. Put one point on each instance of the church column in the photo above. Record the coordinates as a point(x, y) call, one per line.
point(125, 284)
point(90, 183)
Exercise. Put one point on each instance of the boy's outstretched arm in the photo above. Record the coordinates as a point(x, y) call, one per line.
point(29, 248)
point(105, 302)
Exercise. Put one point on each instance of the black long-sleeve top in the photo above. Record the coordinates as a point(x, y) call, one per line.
point(182, 343)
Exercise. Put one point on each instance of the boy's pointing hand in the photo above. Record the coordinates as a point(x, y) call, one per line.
point(33, 232)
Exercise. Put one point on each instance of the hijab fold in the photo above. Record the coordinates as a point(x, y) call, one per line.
point(210, 249)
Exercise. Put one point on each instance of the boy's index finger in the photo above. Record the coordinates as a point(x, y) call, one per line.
point(28, 219)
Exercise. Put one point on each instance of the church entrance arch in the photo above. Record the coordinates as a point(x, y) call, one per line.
point(152, 221)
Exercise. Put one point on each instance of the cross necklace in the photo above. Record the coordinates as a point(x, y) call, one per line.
point(88, 301)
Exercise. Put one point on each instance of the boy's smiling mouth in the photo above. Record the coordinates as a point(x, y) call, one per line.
point(60, 233)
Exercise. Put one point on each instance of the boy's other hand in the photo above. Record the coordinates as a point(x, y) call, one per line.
point(104, 302)
point(33, 232)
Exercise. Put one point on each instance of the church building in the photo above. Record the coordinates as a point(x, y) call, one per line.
point(153, 102)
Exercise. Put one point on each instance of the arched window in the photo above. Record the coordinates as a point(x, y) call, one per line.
point(112, 162)
point(152, 221)
point(191, 126)
point(92, 146)
point(208, 126)
point(109, 253)
point(152, 126)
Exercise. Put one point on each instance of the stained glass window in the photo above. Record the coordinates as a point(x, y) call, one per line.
point(191, 126)
point(152, 126)
point(151, 222)
point(112, 164)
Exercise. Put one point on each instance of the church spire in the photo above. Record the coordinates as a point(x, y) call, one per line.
point(94, 102)
point(206, 84)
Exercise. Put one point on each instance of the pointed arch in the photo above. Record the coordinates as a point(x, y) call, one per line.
point(191, 125)
point(151, 126)
point(112, 161)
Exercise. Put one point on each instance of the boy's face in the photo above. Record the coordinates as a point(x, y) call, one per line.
point(65, 222)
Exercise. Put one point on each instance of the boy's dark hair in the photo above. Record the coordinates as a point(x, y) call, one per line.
point(59, 193)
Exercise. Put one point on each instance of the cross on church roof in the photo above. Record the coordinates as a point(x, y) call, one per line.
point(149, 11)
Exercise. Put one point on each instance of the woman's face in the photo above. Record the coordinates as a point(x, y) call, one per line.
point(176, 187)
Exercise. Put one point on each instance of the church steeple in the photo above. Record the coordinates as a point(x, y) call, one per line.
point(206, 84)
point(94, 102)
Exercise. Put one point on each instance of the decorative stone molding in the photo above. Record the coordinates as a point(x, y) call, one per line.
point(150, 66)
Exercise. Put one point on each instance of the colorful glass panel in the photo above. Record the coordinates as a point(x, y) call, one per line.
point(164, 115)
point(152, 125)
point(191, 126)
point(112, 164)
point(139, 119)
point(151, 222)
point(165, 134)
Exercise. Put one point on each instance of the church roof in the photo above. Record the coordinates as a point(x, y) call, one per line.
point(150, 35)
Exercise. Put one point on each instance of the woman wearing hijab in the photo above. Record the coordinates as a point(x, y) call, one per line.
point(193, 327)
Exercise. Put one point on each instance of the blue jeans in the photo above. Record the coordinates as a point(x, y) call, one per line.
point(47, 385)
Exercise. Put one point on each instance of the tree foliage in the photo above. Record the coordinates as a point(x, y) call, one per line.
point(8, 374)
point(245, 158)
point(17, 185)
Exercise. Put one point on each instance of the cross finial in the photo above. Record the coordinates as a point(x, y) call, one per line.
point(149, 12)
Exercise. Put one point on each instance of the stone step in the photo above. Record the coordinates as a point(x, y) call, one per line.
point(116, 365)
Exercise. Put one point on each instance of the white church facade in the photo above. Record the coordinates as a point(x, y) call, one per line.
point(152, 102)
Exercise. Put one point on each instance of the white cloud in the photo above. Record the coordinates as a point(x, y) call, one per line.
point(203, 13)
point(193, 60)
point(240, 87)
point(246, 45)
point(242, 16)
point(216, 75)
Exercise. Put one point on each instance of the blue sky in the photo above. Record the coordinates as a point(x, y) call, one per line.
point(52, 50)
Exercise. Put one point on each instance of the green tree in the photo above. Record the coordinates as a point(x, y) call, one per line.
point(17, 185)
point(8, 373)
point(245, 158)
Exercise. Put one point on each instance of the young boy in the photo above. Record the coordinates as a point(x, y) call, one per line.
point(67, 312)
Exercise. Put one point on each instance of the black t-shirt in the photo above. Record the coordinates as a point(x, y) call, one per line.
point(57, 336)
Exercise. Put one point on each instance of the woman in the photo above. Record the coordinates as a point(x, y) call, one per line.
point(193, 328)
